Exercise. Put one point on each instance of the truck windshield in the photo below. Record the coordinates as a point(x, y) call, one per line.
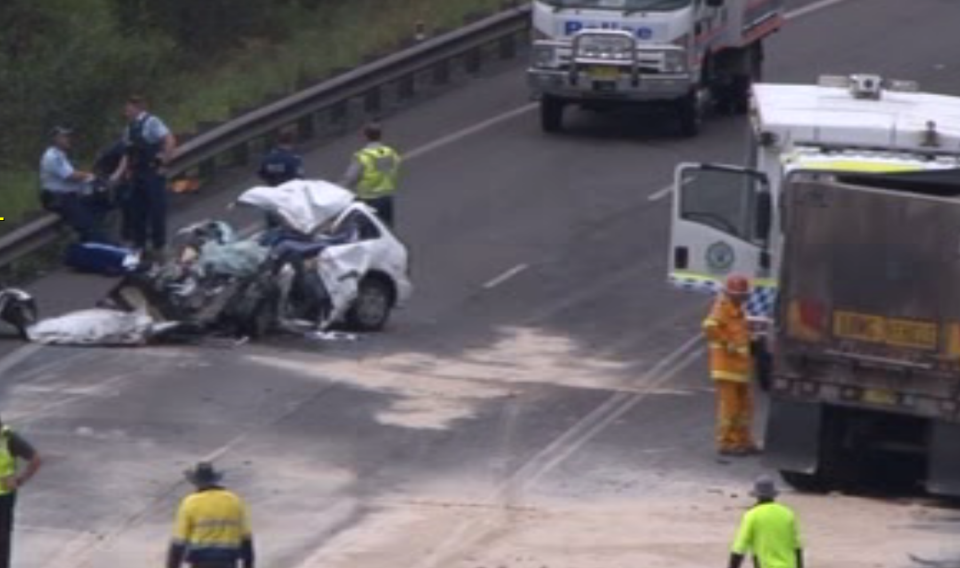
point(621, 5)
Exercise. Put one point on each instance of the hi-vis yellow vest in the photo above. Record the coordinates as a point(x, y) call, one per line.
point(380, 171)
point(8, 463)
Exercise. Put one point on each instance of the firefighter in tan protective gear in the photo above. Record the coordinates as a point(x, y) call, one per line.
point(731, 368)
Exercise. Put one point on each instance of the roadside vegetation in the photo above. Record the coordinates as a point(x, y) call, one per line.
point(74, 61)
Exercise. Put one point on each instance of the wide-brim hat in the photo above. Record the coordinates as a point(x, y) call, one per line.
point(203, 474)
point(764, 488)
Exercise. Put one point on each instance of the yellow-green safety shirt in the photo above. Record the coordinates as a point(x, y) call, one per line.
point(770, 532)
point(381, 166)
point(212, 525)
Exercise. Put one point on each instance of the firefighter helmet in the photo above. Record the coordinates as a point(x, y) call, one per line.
point(737, 285)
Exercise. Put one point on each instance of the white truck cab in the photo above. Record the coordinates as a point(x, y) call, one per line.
point(728, 219)
point(685, 53)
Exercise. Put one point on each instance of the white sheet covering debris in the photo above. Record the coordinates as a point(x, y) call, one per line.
point(306, 205)
point(95, 326)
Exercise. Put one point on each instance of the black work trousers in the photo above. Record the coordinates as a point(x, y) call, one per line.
point(78, 213)
point(147, 210)
point(384, 207)
point(7, 505)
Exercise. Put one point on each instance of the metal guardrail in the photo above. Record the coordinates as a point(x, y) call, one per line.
point(331, 106)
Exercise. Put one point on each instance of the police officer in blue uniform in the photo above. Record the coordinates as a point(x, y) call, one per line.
point(281, 164)
point(150, 146)
point(64, 189)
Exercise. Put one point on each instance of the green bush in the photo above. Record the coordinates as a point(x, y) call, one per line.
point(74, 61)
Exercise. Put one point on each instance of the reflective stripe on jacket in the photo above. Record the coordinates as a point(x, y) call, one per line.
point(728, 337)
point(380, 168)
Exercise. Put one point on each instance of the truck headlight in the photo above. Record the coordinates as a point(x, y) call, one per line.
point(544, 56)
point(675, 61)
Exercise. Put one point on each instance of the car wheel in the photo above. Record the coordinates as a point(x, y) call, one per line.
point(372, 307)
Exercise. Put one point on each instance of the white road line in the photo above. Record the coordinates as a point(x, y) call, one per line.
point(18, 356)
point(660, 193)
point(811, 8)
point(469, 532)
point(506, 276)
point(792, 15)
point(469, 131)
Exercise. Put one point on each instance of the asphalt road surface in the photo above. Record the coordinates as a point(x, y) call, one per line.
point(541, 403)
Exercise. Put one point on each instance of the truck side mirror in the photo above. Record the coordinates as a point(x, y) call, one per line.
point(715, 3)
point(764, 218)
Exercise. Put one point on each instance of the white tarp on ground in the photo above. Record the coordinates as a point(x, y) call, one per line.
point(96, 326)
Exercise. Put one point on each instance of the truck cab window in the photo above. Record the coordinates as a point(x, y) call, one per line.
point(720, 199)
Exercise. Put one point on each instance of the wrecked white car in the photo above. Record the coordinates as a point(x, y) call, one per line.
point(332, 261)
point(324, 260)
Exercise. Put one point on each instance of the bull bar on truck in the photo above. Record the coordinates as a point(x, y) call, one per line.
point(608, 64)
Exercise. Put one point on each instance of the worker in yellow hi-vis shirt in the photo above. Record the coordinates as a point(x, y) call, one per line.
point(213, 527)
point(374, 173)
point(769, 531)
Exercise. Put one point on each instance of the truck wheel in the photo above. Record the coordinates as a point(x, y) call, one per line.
point(805, 482)
point(551, 114)
point(690, 111)
point(742, 83)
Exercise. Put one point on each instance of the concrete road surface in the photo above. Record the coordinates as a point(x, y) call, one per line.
point(542, 401)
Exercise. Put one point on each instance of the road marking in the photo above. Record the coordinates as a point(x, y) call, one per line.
point(661, 193)
point(469, 131)
point(18, 356)
point(562, 448)
point(506, 276)
point(809, 9)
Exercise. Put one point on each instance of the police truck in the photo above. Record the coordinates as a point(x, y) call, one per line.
point(688, 55)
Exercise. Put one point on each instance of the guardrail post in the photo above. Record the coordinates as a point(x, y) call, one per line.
point(441, 73)
point(406, 88)
point(338, 117)
point(373, 101)
point(240, 154)
point(306, 127)
point(473, 61)
point(508, 47)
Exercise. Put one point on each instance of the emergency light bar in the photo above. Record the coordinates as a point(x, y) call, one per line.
point(864, 86)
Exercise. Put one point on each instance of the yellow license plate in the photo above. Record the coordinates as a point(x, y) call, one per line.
point(605, 73)
point(879, 396)
point(876, 329)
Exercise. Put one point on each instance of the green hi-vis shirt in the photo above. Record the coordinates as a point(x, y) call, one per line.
point(769, 531)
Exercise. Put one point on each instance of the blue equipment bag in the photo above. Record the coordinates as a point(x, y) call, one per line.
point(100, 258)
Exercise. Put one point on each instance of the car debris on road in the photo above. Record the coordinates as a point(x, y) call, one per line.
point(327, 261)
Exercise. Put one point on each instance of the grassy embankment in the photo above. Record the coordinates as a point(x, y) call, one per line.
point(333, 39)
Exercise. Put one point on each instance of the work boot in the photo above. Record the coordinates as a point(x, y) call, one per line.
point(731, 452)
point(752, 450)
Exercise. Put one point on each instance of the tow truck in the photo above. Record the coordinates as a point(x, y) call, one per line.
point(847, 219)
point(690, 55)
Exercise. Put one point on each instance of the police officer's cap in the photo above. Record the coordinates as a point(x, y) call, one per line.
point(60, 131)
